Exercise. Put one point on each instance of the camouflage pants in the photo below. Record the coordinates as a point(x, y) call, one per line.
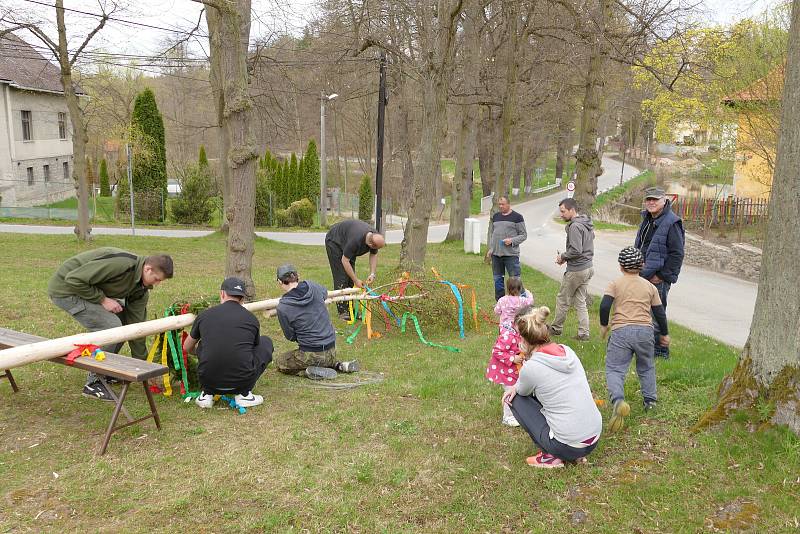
point(295, 361)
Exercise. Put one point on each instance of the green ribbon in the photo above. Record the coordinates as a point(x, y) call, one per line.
point(408, 314)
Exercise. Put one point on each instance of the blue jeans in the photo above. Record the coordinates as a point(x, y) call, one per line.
point(501, 264)
point(623, 344)
point(663, 291)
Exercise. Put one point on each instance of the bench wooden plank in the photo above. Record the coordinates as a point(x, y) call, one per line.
point(116, 365)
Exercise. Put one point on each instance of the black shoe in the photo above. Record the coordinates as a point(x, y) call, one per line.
point(348, 367)
point(112, 380)
point(96, 390)
point(650, 405)
point(344, 316)
point(661, 353)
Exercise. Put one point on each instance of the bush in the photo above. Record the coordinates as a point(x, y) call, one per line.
point(193, 204)
point(365, 201)
point(263, 193)
point(301, 213)
point(282, 218)
point(105, 188)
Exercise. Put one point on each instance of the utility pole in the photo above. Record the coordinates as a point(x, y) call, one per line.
point(323, 161)
point(130, 185)
point(622, 172)
point(379, 158)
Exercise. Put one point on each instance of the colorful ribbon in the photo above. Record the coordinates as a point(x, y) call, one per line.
point(406, 315)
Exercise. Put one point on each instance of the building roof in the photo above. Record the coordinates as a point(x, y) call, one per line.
point(766, 89)
point(23, 67)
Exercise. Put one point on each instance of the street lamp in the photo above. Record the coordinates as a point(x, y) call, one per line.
point(323, 160)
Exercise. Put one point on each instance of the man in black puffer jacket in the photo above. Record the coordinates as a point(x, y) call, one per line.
point(660, 238)
point(304, 318)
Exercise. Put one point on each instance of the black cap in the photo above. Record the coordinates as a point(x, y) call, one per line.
point(234, 286)
point(285, 269)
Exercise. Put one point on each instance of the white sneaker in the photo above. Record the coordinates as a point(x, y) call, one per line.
point(205, 400)
point(246, 401)
point(510, 420)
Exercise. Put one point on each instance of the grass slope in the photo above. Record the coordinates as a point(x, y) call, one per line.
point(422, 452)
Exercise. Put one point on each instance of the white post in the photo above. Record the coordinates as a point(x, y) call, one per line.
point(323, 163)
point(130, 185)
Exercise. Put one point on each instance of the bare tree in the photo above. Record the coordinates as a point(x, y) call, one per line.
point(229, 34)
point(768, 371)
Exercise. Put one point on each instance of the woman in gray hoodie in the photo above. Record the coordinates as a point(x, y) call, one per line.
point(552, 400)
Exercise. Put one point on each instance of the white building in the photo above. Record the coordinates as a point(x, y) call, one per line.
point(35, 129)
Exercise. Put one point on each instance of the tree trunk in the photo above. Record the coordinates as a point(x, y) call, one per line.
point(217, 79)
point(509, 100)
point(562, 145)
point(768, 372)
point(79, 136)
point(518, 165)
point(486, 153)
point(588, 157)
point(462, 180)
point(229, 24)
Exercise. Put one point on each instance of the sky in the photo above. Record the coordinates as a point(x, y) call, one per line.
point(269, 17)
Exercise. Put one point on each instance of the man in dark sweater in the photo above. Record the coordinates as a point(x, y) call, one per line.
point(660, 238)
point(344, 242)
point(508, 231)
point(231, 355)
point(105, 288)
point(304, 318)
point(578, 256)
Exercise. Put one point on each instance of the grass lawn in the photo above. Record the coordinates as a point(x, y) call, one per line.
point(423, 451)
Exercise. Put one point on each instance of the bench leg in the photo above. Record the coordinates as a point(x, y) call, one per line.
point(112, 424)
point(7, 374)
point(114, 396)
point(152, 405)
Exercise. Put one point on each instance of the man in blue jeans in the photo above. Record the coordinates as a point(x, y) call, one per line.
point(508, 231)
point(660, 238)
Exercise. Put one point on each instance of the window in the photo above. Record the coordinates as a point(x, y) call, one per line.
point(27, 125)
point(30, 175)
point(66, 171)
point(46, 173)
point(62, 125)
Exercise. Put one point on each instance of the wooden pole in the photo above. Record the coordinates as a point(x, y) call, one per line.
point(53, 348)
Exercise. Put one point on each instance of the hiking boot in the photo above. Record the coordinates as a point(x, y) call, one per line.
point(344, 316)
point(205, 400)
point(246, 401)
point(97, 390)
point(661, 352)
point(650, 405)
point(348, 367)
point(544, 461)
point(581, 338)
point(552, 331)
point(320, 373)
point(621, 410)
point(511, 421)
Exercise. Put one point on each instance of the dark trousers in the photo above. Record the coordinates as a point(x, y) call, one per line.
point(663, 291)
point(501, 264)
point(340, 278)
point(262, 354)
point(528, 412)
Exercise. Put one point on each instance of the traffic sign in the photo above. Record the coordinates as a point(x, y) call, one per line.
point(570, 186)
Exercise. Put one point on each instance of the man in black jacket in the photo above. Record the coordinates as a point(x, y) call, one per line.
point(304, 318)
point(660, 238)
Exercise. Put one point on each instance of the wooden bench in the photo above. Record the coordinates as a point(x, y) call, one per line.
point(126, 370)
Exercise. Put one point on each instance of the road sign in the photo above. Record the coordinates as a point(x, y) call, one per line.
point(570, 189)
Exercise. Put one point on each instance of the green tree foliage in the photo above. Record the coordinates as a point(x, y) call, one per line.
point(202, 159)
point(150, 171)
point(194, 203)
point(311, 171)
point(263, 194)
point(105, 187)
point(365, 200)
point(294, 180)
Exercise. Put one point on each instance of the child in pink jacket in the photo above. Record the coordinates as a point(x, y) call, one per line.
point(504, 363)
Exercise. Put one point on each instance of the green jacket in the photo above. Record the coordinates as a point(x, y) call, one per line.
point(105, 272)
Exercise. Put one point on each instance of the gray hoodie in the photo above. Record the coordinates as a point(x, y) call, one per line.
point(304, 317)
point(580, 243)
point(555, 376)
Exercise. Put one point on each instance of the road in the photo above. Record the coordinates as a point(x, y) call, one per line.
point(715, 304)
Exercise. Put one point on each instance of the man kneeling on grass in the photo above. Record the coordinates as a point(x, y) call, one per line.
point(231, 355)
point(304, 318)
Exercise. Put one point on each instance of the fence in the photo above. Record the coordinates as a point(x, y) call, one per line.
point(732, 212)
point(68, 214)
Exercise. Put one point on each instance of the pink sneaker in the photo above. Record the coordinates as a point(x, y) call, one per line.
point(544, 461)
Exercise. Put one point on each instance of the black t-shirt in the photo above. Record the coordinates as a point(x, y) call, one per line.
point(225, 355)
point(351, 237)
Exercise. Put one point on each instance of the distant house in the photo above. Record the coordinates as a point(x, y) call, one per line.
point(35, 129)
point(758, 111)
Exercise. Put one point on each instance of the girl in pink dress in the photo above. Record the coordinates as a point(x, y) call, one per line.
point(505, 361)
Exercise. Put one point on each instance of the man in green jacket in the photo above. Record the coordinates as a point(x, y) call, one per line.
point(105, 288)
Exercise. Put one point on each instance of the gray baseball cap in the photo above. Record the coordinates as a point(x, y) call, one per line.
point(654, 192)
point(234, 286)
point(285, 269)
